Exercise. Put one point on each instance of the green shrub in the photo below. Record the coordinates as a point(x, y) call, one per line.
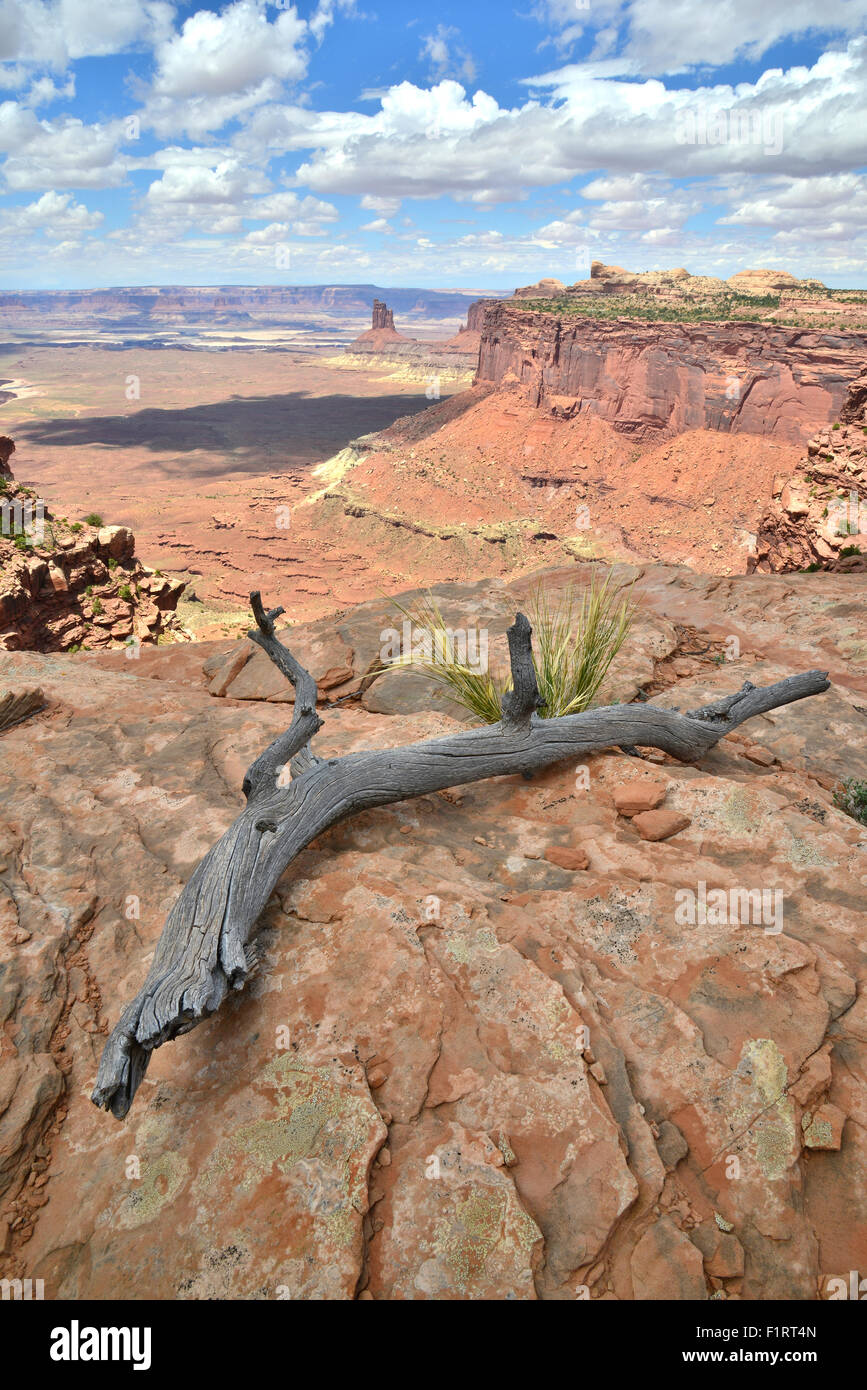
point(850, 550)
point(851, 797)
point(96, 608)
point(76, 527)
point(112, 562)
point(93, 519)
point(576, 641)
point(125, 592)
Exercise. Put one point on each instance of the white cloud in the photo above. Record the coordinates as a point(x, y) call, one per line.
point(228, 182)
point(832, 208)
point(386, 207)
point(216, 55)
point(65, 153)
point(222, 67)
point(54, 214)
point(44, 90)
point(54, 32)
point(668, 36)
point(425, 143)
point(447, 59)
point(323, 16)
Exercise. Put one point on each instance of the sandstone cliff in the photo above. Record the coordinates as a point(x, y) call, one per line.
point(657, 379)
point(818, 516)
point(7, 449)
point(66, 585)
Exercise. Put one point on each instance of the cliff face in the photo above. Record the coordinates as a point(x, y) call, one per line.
point(7, 449)
point(65, 586)
point(656, 379)
point(818, 516)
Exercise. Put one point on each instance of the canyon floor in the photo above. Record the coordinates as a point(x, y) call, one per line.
point(201, 459)
point(322, 481)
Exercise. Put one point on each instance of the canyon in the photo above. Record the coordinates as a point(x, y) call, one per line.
point(483, 1056)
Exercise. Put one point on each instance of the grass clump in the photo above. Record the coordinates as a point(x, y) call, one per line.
point(93, 519)
point(575, 639)
point(851, 797)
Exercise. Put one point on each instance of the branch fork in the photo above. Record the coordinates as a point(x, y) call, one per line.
point(205, 950)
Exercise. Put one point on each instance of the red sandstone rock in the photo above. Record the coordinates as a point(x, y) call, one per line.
point(652, 379)
point(819, 513)
point(257, 1159)
point(659, 825)
point(666, 1265)
point(382, 334)
point(757, 754)
point(566, 857)
point(639, 796)
point(84, 588)
point(824, 1128)
point(723, 1252)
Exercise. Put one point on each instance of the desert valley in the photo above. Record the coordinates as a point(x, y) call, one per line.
point(699, 443)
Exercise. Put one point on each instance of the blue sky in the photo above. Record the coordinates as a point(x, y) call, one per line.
point(476, 145)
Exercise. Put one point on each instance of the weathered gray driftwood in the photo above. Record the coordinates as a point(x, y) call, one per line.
point(205, 948)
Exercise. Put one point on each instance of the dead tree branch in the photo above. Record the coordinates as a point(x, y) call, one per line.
point(205, 947)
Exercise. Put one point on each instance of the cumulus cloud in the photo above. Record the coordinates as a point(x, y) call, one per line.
point(66, 153)
point(426, 142)
point(228, 182)
point(668, 36)
point(218, 54)
point(325, 13)
point(248, 162)
point(55, 32)
point(220, 67)
point(54, 214)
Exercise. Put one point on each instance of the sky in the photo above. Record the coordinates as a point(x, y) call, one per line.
point(477, 145)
